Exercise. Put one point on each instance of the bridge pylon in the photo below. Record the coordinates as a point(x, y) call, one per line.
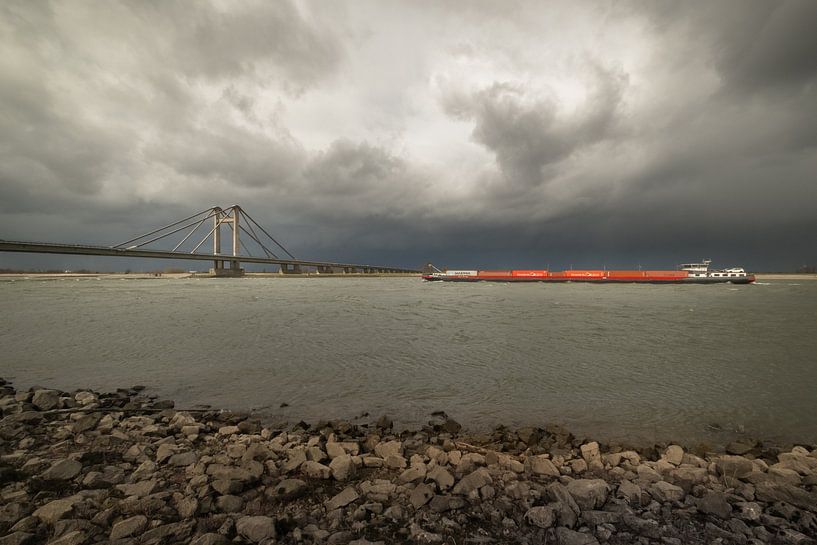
point(230, 217)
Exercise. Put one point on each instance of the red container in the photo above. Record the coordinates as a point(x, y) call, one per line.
point(531, 274)
point(625, 274)
point(583, 274)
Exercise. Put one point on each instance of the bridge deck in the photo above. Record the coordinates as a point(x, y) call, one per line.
point(76, 249)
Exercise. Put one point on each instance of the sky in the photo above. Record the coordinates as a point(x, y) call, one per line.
point(468, 134)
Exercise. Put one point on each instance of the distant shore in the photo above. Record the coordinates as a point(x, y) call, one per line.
point(128, 468)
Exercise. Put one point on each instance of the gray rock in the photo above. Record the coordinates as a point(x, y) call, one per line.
point(473, 481)
point(226, 487)
point(590, 453)
point(423, 537)
point(588, 493)
point(140, 489)
point(442, 477)
point(630, 492)
point(541, 465)
point(183, 459)
point(86, 423)
point(394, 461)
point(566, 507)
point(543, 516)
point(772, 492)
point(55, 510)
point(666, 492)
point(339, 538)
point(132, 526)
point(733, 466)
point(645, 527)
point(210, 539)
point(440, 503)
point(749, 511)
point(315, 470)
point(674, 455)
point(288, 489)
point(597, 518)
point(343, 498)
point(46, 400)
point(63, 470)
point(74, 537)
point(389, 448)
point(565, 536)
point(421, 495)
point(714, 503)
point(342, 467)
point(168, 533)
point(187, 507)
point(229, 504)
point(412, 474)
point(256, 529)
point(18, 538)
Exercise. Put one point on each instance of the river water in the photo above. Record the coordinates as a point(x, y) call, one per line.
point(638, 362)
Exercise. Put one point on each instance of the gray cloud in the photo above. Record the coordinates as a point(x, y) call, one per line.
point(566, 133)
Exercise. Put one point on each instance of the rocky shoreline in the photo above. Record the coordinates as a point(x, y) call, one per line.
point(125, 468)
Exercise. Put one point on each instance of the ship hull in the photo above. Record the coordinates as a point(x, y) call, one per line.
point(556, 279)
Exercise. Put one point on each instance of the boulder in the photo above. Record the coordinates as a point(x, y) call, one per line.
point(46, 400)
point(588, 493)
point(565, 505)
point(63, 470)
point(412, 474)
point(442, 477)
point(226, 487)
point(342, 467)
point(211, 539)
point(565, 536)
point(130, 527)
point(389, 448)
point(55, 510)
point(787, 493)
point(473, 481)
point(674, 455)
point(229, 504)
point(666, 492)
point(421, 495)
point(541, 465)
point(733, 466)
point(183, 459)
point(74, 537)
point(590, 453)
point(315, 470)
point(256, 529)
point(343, 498)
point(543, 516)
point(714, 503)
point(288, 489)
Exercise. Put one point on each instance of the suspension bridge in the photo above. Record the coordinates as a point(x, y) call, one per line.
point(183, 236)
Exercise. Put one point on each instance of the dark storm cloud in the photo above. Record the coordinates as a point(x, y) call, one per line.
point(528, 133)
point(567, 133)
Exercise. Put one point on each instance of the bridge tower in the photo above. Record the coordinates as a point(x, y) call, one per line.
point(230, 217)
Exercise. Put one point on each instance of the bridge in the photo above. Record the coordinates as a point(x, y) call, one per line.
point(224, 264)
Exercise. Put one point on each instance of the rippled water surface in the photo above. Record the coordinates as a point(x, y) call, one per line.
point(610, 361)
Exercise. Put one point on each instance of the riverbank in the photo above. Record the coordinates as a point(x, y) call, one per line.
point(127, 468)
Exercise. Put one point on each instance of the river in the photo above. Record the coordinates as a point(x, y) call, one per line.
point(637, 362)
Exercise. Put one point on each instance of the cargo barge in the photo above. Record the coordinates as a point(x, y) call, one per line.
point(689, 273)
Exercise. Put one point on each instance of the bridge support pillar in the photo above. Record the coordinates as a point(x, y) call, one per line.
point(325, 270)
point(290, 269)
point(220, 271)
